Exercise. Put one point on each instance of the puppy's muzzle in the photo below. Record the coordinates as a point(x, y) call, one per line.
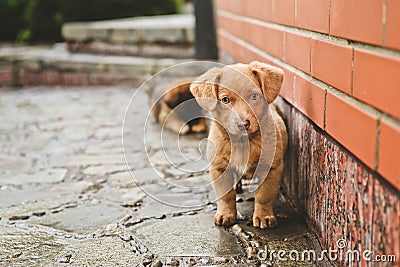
point(243, 125)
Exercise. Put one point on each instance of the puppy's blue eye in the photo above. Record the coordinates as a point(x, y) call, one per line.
point(225, 100)
point(254, 96)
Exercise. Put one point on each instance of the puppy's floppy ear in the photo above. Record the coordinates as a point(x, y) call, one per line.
point(205, 88)
point(269, 77)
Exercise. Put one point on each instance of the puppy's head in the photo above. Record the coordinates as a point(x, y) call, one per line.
point(238, 95)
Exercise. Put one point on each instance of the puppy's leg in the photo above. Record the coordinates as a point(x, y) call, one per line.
point(263, 216)
point(226, 205)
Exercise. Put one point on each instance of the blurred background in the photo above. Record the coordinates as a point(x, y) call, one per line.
point(40, 21)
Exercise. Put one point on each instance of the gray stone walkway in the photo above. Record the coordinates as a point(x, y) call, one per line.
point(67, 198)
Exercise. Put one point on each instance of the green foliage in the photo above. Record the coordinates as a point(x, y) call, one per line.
point(41, 20)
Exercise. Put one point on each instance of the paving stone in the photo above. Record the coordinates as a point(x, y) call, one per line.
point(75, 187)
point(187, 236)
point(85, 160)
point(37, 141)
point(123, 196)
point(134, 195)
point(197, 166)
point(48, 176)
point(163, 203)
point(92, 252)
point(105, 169)
point(35, 194)
point(147, 175)
point(109, 132)
point(177, 189)
point(109, 193)
point(193, 182)
point(14, 240)
point(37, 205)
point(105, 146)
point(85, 218)
point(166, 158)
point(136, 160)
point(176, 172)
point(121, 179)
point(76, 133)
point(10, 164)
point(46, 249)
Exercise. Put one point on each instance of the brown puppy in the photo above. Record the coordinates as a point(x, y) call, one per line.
point(247, 138)
point(172, 108)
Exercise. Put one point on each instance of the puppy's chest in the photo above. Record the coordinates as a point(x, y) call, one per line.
point(244, 158)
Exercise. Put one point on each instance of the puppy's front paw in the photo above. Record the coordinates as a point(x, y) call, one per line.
point(223, 219)
point(264, 221)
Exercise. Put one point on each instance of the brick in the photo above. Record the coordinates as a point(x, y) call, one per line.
point(392, 24)
point(221, 22)
point(51, 77)
point(352, 127)
point(259, 9)
point(389, 153)
point(313, 15)
point(231, 6)
point(297, 51)
point(309, 98)
point(263, 37)
point(267, 39)
point(239, 53)
point(284, 12)
point(233, 26)
point(332, 63)
point(5, 77)
point(287, 89)
point(29, 78)
point(358, 20)
point(376, 81)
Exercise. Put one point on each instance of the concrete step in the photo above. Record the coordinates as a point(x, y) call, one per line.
point(155, 36)
point(20, 66)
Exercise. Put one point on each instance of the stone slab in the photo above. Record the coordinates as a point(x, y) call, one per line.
point(38, 246)
point(169, 28)
point(55, 65)
point(187, 236)
point(46, 176)
point(83, 218)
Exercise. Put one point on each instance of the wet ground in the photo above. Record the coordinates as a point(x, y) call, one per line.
point(67, 197)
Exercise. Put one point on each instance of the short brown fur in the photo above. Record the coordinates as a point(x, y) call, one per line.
point(237, 82)
point(166, 97)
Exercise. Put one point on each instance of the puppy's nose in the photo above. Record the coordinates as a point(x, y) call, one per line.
point(243, 124)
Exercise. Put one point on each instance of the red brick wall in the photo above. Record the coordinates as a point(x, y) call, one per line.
point(342, 66)
point(342, 89)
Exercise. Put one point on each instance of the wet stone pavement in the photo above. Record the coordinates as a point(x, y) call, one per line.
point(68, 199)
